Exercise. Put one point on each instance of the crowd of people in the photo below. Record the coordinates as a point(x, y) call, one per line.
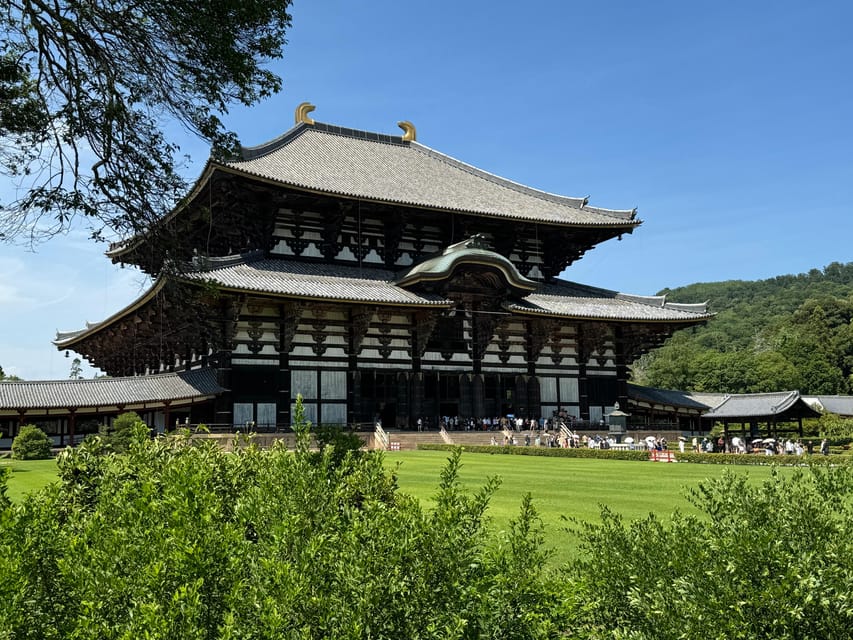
point(496, 423)
point(558, 431)
point(765, 446)
point(500, 423)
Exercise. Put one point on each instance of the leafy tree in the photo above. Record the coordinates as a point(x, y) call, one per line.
point(31, 443)
point(673, 366)
point(833, 425)
point(86, 88)
point(76, 372)
point(788, 332)
point(5, 378)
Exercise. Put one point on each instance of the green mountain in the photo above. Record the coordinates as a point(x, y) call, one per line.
point(787, 332)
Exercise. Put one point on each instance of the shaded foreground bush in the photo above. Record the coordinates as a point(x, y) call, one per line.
point(770, 560)
point(180, 540)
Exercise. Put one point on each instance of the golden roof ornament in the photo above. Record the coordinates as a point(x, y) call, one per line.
point(302, 112)
point(409, 133)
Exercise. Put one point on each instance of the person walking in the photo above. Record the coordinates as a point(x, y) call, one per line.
point(824, 447)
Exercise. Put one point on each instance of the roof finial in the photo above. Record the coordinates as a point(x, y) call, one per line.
point(302, 112)
point(409, 133)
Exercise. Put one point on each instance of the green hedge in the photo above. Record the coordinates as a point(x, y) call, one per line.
point(642, 455)
point(551, 452)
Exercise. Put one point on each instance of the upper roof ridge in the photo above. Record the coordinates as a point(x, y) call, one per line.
point(249, 153)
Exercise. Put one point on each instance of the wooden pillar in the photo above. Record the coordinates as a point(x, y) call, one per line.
point(417, 391)
point(166, 415)
point(478, 396)
point(403, 417)
point(583, 391)
point(72, 423)
point(223, 408)
point(520, 404)
point(534, 403)
point(621, 369)
point(354, 408)
point(466, 395)
point(71, 415)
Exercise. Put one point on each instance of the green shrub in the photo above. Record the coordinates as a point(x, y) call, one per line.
point(176, 539)
point(343, 441)
point(31, 443)
point(548, 452)
point(642, 455)
point(769, 560)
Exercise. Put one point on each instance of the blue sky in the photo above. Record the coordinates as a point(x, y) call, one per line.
point(729, 125)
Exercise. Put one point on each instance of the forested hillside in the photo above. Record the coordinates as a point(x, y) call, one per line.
point(788, 332)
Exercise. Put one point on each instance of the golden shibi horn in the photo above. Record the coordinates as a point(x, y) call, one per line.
point(409, 133)
point(302, 112)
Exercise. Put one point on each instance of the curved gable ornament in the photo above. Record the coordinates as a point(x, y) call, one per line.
point(410, 134)
point(473, 252)
point(302, 112)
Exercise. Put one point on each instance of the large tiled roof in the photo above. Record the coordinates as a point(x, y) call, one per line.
point(109, 392)
point(355, 284)
point(840, 405)
point(255, 273)
point(309, 280)
point(761, 405)
point(359, 164)
point(708, 398)
point(666, 397)
point(568, 299)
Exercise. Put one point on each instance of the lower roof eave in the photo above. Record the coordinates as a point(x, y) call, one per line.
point(438, 304)
point(589, 318)
point(95, 409)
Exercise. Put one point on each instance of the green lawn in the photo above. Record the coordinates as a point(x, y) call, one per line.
point(28, 475)
point(571, 487)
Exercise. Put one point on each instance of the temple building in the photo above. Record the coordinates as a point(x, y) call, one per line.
point(380, 279)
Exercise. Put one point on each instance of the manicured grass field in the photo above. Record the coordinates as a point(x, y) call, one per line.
point(28, 475)
point(570, 487)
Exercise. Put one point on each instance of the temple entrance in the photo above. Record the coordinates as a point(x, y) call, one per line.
point(388, 415)
point(449, 409)
point(399, 399)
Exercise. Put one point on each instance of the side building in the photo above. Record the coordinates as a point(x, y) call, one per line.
point(379, 279)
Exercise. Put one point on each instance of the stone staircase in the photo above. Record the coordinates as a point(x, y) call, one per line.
point(477, 438)
point(409, 440)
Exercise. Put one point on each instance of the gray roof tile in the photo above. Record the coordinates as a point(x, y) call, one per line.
point(384, 168)
point(108, 392)
point(665, 397)
point(563, 298)
point(840, 405)
point(311, 280)
point(335, 282)
point(760, 405)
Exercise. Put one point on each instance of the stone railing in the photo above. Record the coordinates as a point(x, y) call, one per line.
point(381, 437)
